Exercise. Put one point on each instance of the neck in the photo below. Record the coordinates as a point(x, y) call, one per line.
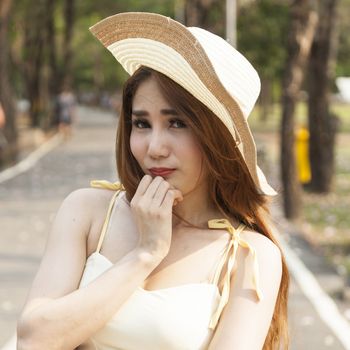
point(195, 209)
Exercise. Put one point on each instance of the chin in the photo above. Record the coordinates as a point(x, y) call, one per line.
point(172, 184)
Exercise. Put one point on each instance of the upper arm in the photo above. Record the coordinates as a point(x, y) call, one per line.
point(245, 321)
point(63, 261)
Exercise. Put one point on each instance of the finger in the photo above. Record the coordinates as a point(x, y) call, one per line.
point(175, 203)
point(168, 201)
point(152, 188)
point(177, 195)
point(171, 199)
point(160, 194)
point(142, 187)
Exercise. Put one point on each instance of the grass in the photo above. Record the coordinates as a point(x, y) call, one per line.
point(328, 215)
point(274, 118)
point(325, 218)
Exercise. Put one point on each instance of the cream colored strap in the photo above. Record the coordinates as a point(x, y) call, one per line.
point(230, 259)
point(116, 186)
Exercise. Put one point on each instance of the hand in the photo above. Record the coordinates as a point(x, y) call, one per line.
point(151, 207)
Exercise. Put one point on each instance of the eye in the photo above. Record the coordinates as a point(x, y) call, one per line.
point(177, 123)
point(140, 123)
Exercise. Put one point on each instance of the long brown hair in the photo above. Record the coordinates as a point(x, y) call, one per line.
point(231, 187)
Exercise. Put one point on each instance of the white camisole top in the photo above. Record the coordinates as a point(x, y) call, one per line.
point(177, 318)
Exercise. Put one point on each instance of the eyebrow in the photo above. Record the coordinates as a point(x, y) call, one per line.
point(143, 113)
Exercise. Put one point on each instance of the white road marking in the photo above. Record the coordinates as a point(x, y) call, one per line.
point(322, 302)
point(27, 163)
point(21, 167)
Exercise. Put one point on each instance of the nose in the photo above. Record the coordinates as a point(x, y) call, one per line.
point(158, 145)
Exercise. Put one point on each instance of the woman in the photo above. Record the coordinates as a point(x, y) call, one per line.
point(184, 257)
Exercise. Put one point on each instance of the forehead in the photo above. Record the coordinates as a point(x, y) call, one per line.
point(149, 93)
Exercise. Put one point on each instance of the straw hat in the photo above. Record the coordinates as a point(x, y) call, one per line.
point(201, 62)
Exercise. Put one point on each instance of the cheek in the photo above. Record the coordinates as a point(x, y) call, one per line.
point(192, 152)
point(136, 146)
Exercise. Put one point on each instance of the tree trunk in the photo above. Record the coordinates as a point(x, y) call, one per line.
point(8, 153)
point(265, 99)
point(51, 47)
point(34, 42)
point(53, 81)
point(322, 124)
point(69, 15)
point(45, 73)
point(197, 13)
point(301, 33)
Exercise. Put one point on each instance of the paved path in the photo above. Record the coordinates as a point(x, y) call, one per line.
point(28, 203)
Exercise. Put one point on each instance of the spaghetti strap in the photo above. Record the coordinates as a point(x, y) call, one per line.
point(116, 186)
point(228, 258)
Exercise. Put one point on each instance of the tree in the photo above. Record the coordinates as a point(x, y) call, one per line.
point(45, 32)
point(60, 65)
point(208, 14)
point(6, 97)
point(261, 38)
point(303, 22)
point(322, 124)
point(51, 44)
point(343, 50)
point(33, 55)
point(67, 49)
point(94, 69)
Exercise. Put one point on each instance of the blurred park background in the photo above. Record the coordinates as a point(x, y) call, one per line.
point(300, 48)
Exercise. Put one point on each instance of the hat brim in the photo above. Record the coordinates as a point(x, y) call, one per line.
point(156, 41)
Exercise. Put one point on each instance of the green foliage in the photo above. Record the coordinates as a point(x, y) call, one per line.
point(104, 8)
point(93, 64)
point(343, 63)
point(342, 111)
point(262, 33)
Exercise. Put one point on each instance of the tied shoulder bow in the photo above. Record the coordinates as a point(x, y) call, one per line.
point(229, 257)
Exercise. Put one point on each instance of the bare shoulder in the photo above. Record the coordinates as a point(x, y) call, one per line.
point(269, 259)
point(244, 311)
point(65, 253)
point(264, 246)
point(82, 207)
point(88, 197)
point(92, 206)
point(86, 201)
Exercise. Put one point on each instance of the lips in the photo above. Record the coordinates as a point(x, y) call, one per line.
point(161, 171)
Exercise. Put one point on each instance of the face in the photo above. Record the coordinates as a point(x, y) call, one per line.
point(161, 141)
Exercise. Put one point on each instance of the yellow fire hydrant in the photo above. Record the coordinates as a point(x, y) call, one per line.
point(302, 154)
